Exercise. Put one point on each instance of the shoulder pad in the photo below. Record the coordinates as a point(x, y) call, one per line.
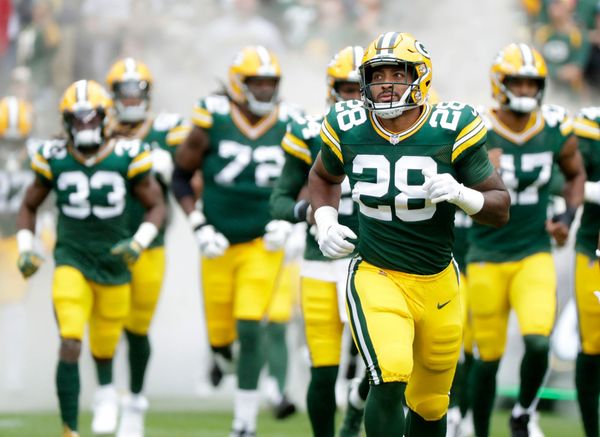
point(591, 113)
point(166, 121)
point(554, 115)
point(217, 104)
point(53, 149)
point(306, 128)
point(129, 146)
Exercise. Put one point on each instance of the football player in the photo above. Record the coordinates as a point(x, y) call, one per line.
point(410, 165)
point(16, 118)
point(130, 83)
point(322, 279)
point(587, 274)
point(512, 267)
point(235, 142)
point(92, 178)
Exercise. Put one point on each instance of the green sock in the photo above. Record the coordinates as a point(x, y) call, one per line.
point(533, 367)
point(458, 384)
point(104, 370)
point(383, 413)
point(224, 351)
point(139, 354)
point(484, 391)
point(587, 382)
point(277, 353)
point(320, 400)
point(250, 334)
point(363, 387)
point(67, 389)
point(464, 400)
point(416, 426)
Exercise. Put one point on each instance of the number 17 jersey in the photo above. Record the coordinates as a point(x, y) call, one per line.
point(399, 228)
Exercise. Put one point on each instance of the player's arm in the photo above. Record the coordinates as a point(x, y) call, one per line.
point(284, 202)
point(496, 201)
point(29, 260)
point(571, 166)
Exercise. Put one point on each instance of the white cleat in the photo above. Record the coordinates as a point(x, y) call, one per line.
point(453, 419)
point(105, 410)
point(132, 416)
point(533, 426)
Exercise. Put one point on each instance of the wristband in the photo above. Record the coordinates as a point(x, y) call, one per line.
point(300, 210)
point(196, 219)
point(566, 217)
point(24, 240)
point(469, 200)
point(145, 234)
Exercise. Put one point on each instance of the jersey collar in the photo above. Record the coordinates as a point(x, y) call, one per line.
point(396, 137)
point(104, 151)
point(534, 126)
point(253, 131)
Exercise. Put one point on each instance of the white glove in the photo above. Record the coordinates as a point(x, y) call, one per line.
point(592, 192)
point(276, 234)
point(211, 242)
point(442, 187)
point(296, 242)
point(331, 236)
point(162, 164)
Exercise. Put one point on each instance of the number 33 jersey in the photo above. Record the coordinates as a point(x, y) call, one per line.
point(241, 166)
point(399, 227)
point(526, 168)
point(91, 200)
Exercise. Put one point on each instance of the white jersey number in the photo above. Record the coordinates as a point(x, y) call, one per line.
point(79, 206)
point(269, 162)
point(529, 163)
point(381, 186)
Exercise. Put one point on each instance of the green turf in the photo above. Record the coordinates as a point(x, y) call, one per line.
point(216, 424)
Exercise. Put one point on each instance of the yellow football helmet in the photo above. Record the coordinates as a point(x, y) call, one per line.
point(84, 106)
point(403, 50)
point(130, 82)
point(518, 61)
point(343, 68)
point(16, 119)
point(253, 61)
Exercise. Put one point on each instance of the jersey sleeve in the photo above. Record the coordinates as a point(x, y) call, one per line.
point(201, 116)
point(41, 167)
point(297, 134)
point(472, 134)
point(331, 150)
point(140, 166)
point(475, 167)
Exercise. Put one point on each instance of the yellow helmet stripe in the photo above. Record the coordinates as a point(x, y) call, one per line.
point(13, 113)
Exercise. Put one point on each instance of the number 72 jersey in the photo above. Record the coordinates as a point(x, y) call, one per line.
point(399, 228)
point(526, 167)
point(91, 201)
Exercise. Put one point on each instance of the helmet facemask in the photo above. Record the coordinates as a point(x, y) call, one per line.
point(522, 104)
point(261, 104)
point(411, 97)
point(86, 128)
point(132, 100)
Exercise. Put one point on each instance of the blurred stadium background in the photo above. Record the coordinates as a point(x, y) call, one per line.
point(47, 44)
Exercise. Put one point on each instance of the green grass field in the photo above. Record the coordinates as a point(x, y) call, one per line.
point(216, 424)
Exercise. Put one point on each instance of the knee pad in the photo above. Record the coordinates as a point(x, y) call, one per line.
point(431, 407)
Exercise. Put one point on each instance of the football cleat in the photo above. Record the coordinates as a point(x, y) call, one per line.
point(453, 422)
point(132, 416)
point(105, 410)
point(519, 425)
point(283, 409)
point(68, 432)
point(354, 416)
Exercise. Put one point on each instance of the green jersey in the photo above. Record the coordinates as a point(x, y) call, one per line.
point(399, 227)
point(587, 129)
point(301, 145)
point(526, 168)
point(165, 131)
point(91, 198)
point(240, 167)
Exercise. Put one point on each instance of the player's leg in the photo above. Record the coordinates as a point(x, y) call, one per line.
point(217, 289)
point(489, 309)
point(323, 330)
point(72, 298)
point(146, 281)
point(280, 313)
point(358, 393)
point(587, 371)
point(437, 344)
point(109, 312)
point(533, 297)
point(383, 329)
point(256, 276)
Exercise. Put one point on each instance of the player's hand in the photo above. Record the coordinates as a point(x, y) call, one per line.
point(211, 242)
point(441, 187)
point(296, 242)
point(128, 249)
point(333, 241)
point(276, 234)
point(558, 230)
point(162, 165)
point(29, 262)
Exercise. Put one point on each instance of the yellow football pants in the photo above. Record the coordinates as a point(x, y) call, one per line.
point(238, 286)
point(464, 301)
point(146, 281)
point(78, 300)
point(528, 286)
point(285, 295)
point(587, 297)
point(408, 328)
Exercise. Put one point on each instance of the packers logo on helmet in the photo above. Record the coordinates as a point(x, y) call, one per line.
point(518, 61)
point(130, 82)
point(404, 51)
point(253, 61)
point(343, 68)
point(16, 119)
point(84, 106)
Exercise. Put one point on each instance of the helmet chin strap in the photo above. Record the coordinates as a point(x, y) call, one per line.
point(521, 104)
point(258, 107)
point(87, 138)
point(131, 113)
point(388, 112)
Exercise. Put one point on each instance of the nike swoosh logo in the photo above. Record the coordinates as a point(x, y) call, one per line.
point(442, 305)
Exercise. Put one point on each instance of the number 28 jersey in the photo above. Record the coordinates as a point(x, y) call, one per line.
point(241, 166)
point(399, 228)
point(91, 200)
point(526, 169)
